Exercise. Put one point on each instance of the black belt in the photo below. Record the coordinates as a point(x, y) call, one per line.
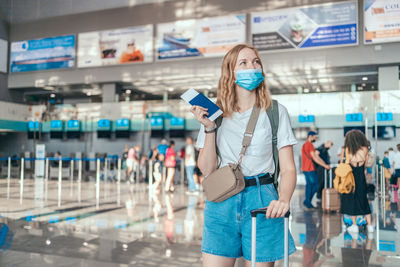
point(265, 179)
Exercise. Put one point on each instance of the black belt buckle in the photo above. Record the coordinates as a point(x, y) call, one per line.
point(265, 179)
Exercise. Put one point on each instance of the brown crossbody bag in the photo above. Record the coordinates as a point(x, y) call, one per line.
point(228, 181)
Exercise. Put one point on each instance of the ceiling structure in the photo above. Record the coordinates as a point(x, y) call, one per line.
point(294, 81)
point(20, 11)
point(312, 77)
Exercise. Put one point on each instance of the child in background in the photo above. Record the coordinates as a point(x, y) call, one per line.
point(158, 172)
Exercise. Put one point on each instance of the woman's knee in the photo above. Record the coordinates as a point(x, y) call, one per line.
point(217, 261)
point(261, 264)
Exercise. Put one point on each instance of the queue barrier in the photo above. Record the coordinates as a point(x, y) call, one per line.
point(59, 171)
point(101, 168)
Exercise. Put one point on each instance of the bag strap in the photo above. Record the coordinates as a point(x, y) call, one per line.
point(273, 115)
point(248, 134)
point(347, 156)
point(218, 123)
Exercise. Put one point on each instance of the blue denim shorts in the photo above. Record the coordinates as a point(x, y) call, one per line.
point(227, 226)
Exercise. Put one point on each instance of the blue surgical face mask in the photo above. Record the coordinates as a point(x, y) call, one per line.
point(249, 79)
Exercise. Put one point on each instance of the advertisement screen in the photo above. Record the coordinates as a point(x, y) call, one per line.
point(305, 27)
point(208, 37)
point(43, 54)
point(382, 21)
point(112, 47)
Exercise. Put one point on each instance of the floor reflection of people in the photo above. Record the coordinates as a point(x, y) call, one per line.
point(323, 248)
point(156, 207)
point(6, 236)
point(312, 235)
point(389, 222)
point(357, 248)
point(190, 218)
point(169, 224)
point(130, 204)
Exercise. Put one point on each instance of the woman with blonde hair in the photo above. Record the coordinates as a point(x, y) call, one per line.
point(227, 225)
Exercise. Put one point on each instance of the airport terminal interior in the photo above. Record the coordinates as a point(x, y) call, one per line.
point(98, 147)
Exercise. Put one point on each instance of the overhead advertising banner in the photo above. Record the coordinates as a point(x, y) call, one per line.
point(382, 21)
point(112, 47)
point(3, 55)
point(207, 37)
point(325, 25)
point(43, 54)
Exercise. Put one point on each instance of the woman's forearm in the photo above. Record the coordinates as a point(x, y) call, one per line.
point(288, 184)
point(288, 173)
point(207, 161)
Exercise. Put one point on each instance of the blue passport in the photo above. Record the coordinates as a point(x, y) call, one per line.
point(194, 98)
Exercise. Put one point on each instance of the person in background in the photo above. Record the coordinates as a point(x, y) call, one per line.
point(182, 153)
point(136, 162)
point(112, 173)
point(356, 203)
point(124, 160)
point(153, 154)
point(55, 163)
point(387, 168)
point(143, 167)
point(391, 156)
point(370, 163)
point(396, 171)
point(197, 175)
point(170, 163)
point(158, 172)
point(162, 148)
point(130, 164)
point(323, 151)
point(386, 162)
point(309, 156)
point(190, 165)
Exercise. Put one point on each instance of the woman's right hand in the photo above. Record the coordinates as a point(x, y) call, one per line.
point(200, 114)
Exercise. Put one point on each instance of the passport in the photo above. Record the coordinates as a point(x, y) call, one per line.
point(195, 98)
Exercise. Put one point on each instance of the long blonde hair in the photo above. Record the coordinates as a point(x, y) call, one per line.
point(226, 93)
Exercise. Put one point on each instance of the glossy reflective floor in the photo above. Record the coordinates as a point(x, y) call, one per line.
point(40, 229)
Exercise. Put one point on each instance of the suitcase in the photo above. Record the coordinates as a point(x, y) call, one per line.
point(254, 214)
point(330, 197)
point(331, 225)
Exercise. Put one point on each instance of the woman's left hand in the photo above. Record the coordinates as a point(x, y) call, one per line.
point(277, 209)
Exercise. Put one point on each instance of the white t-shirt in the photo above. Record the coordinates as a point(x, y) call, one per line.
point(396, 160)
point(190, 155)
point(259, 156)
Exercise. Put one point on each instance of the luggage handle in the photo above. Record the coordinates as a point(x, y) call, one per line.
point(326, 178)
point(254, 214)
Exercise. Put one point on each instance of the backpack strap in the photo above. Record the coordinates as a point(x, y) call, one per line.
point(218, 122)
point(347, 156)
point(273, 115)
